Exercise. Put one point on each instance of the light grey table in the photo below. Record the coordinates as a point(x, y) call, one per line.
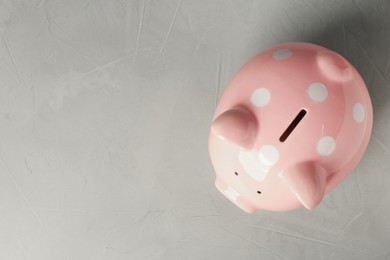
point(105, 108)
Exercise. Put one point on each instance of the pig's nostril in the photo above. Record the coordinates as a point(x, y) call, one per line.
point(292, 126)
point(258, 192)
point(236, 173)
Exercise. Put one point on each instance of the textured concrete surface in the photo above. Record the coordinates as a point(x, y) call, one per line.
point(105, 108)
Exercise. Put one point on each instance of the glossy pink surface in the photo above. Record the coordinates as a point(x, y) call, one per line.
point(290, 126)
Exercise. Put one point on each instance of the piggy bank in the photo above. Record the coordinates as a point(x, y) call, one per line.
point(289, 127)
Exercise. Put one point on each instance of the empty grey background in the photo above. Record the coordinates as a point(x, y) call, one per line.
point(105, 108)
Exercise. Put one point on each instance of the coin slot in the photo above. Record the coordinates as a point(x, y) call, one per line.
point(293, 125)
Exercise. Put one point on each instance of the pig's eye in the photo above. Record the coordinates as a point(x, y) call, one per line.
point(258, 192)
point(236, 173)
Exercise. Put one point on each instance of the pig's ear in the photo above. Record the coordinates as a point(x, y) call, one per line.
point(307, 180)
point(237, 125)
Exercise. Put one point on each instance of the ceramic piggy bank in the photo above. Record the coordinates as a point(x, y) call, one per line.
point(290, 126)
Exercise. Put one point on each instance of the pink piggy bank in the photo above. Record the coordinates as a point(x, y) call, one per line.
point(290, 126)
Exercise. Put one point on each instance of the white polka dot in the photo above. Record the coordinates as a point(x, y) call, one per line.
point(317, 92)
point(268, 155)
point(358, 112)
point(282, 54)
point(232, 194)
point(261, 97)
point(326, 146)
point(252, 165)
